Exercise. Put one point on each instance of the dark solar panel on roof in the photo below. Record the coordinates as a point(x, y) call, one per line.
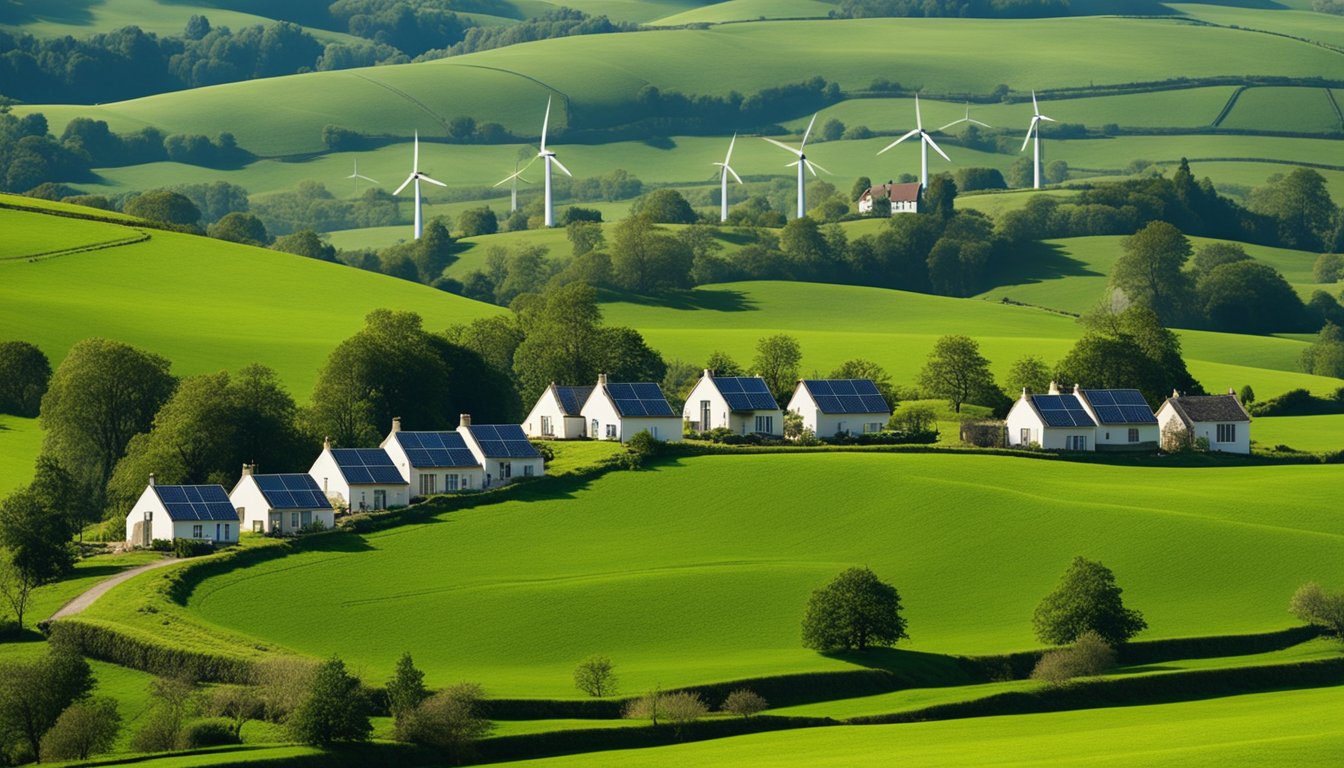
point(573, 398)
point(846, 396)
point(293, 491)
point(1062, 411)
point(1120, 406)
point(746, 393)
point(641, 399)
point(367, 466)
point(503, 441)
point(436, 449)
point(197, 502)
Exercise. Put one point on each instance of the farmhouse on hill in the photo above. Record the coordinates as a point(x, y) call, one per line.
point(1219, 419)
point(1054, 421)
point(359, 479)
point(619, 411)
point(1125, 421)
point(904, 197)
point(840, 406)
point(743, 404)
point(558, 413)
point(283, 504)
point(433, 462)
point(502, 449)
point(171, 512)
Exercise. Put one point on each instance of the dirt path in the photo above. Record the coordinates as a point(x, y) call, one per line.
point(98, 590)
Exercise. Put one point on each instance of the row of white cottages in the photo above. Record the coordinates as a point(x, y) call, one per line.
point(481, 456)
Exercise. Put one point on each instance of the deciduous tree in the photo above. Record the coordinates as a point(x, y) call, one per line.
point(24, 375)
point(84, 729)
point(334, 710)
point(406, 689)
point(1149, 270)
point(1087, 598)
point(34, 693)
point(777, 360)
point(957, 371)
point(855, 611)
point(450, 719)
point(595, 677)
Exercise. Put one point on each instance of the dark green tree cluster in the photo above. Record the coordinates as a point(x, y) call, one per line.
point(1087, 599)
point(854, 612)
point(1128, 350)
point(30, 156)
point(312, 206)
point(24, 375)
point(412, 28)
point(36, 525)
point(1325, 357)
point(985, 9)
point(34, 695)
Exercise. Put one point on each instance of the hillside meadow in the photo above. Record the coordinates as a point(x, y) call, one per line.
point(697, 570)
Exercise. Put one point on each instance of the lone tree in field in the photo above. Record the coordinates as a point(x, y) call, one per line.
point(405, 690)
point(334, 710)
point(957, 371)
point(1087, 598)
point(594, 676)
point(777, 359)
point(744, 702)
point(853, 612)
point(1314, 605)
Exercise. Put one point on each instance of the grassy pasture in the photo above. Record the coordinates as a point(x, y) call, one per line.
point(1299, 21)
point(712, 588)
point(1284, 109)
point(749, 10)
point(27, 234)
point(20, 441)
point(507, 85)
point(1297, 728)
point(1305, 433)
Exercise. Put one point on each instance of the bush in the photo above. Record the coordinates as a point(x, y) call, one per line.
point(1314, 605)
point(683, 708)
point(215, 732)
point(335, 708)
point(161, 545)
point(647, 707)
point(744, 702)
point(1328, 268)
point(594, 675)
point(1089, 656)
point(85, 728)
point(449, 720)
point(192, 548)
point(644, 445)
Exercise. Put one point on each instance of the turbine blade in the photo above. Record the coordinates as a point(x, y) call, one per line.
point(811, 166)
point(729, 169)
point(977, 122)
point(808, 132)
point(1047, 119)
point(729, 157)
point(415, 167)
point(366, 178)
point(423, 177)
point(561, 165)
point(1034, 106)
point(936, 148)
point(898, 141)
point(507, 179)
point(1030, 128)
point(955, 122)
point(782, 145)
point(919, 120)
point(545, 124)
point(404, 184)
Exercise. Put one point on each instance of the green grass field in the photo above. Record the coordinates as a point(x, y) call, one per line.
point(20, 440)
point(1297, 728)
point(1305, 433)
point(1284, 109)
point(682, 586)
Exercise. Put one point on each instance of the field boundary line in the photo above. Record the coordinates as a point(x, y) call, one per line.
point(437, 117)
point(1334, 104)
point(139, 237)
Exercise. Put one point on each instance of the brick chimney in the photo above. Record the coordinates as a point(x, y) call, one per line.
point(602, 379)
point(464, 419)
point(151, 478)
point(248, 469)
point(326, 443)
point(396, 423)
point(1054, 388)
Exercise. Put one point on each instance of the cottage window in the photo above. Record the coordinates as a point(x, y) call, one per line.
point(428, 484)
point(1076, 443)
point(1133, 435)
point(527, 470)
point(546, 428)
point(1025, 437)
point(380, 499)
point(197, 531)
point(505, 470)
point(611, 431)
point(596, 430)
point(450, 482)
point(256, 526)
point(227, 534)
point(293, 521)
point(872, 426)
point(765, 424)
point(1227, 433)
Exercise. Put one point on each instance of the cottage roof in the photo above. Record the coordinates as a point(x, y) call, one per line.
point(1118, 406)
point(366, 466)
point(1063, 411)
point(432, 450)
point(843, 396)
point(897, 193)
point(196, 502)
point(745, 393)
point(502, 441)
point(291, 491)
point(1206, 408)
point(571, 399)
point(639, 399)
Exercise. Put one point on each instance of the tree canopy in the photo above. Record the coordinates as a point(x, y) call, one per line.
point(24, 375)
point(1087, 598)
point(334, 709)
point(1149, 271)
point(855, 611)
point(958, 372)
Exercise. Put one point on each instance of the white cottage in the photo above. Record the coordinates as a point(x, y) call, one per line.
point(433, 462)
point(359, 479)
point(840, 406)
point(502, 449)
point(904, 197)
point(619, 411)
point(171, 512)
point(1124, 420)
point(558, 413)
point(1055, 421)
point(282, 504)
point(743, 404)
point(1220, 419)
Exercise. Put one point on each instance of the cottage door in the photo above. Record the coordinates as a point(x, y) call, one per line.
point(148, 534)
point(704, 416)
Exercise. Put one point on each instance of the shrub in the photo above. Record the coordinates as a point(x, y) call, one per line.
point(647, 707)
point(405, 690)
point(644, 445)
point(1314, 605)
point(192, 548)
point(683, 708)
point(85, 728)
point(449, 720)
point(1089, 656)
point(215, 732)
point(744, 702)
point(594, 675)
point(1328, 268)
point(161, 545)
point(335, 708)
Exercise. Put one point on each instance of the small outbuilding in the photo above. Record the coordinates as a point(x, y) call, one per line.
point(433, 462)
point(904, 197)
point(503, 450)
point(282, 505)
point(1056, 421)
point(743, 404)
point(359, 479)
point(557, 414)
point(619, 411)
point(1219, 419)
point(171, 512)
point(840, 406)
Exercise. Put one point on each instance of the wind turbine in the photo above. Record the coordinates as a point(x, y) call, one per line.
point(357, 176)
point(514, 178)
point(925, 141)
point(723, 180)
point(1035, 129)
point(549, 158)
point(966, 119)
point(802, 162)
point(417, 177)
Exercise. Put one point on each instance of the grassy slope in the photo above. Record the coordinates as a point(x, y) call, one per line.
point(1284, 109)
point(1305, 433)
point(20, 440)
point(1297, 728)
point(698, 571)
point(507, 85)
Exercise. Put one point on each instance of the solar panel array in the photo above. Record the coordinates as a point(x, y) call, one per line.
point(503, 441)
point(363, 466)
point(292, 492)
point(436, 449)
point(640, 400)
point(1120, 406)
point(573, 398)
point(1062, 411)
point(846, 396)
point(746, 393)
point(197, 502)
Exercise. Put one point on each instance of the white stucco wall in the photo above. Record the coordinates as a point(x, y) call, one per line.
point(599, 413)
point(1023, 416)
point(256, 510)
point(719, 415)
point(467, 478)
point(1167, 418)
point(564, 427)
point(494, 469)
point(164, 527)
point(1118, 434)
point(329, 478)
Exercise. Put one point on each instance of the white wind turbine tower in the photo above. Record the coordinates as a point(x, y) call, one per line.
point(1035, 130)
point(966, 119)
point(513, 180)
point(549, 158)
point(925, 141)
point(723, 180)
point(357, 176)
point(417, 177)
point(802, 162)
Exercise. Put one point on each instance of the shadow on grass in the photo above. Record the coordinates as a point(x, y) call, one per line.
point(59, 11)
point(932, 669)
point(1038, 262)
point(717, 300)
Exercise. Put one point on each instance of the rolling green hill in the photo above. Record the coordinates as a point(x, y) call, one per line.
point(698, 570)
